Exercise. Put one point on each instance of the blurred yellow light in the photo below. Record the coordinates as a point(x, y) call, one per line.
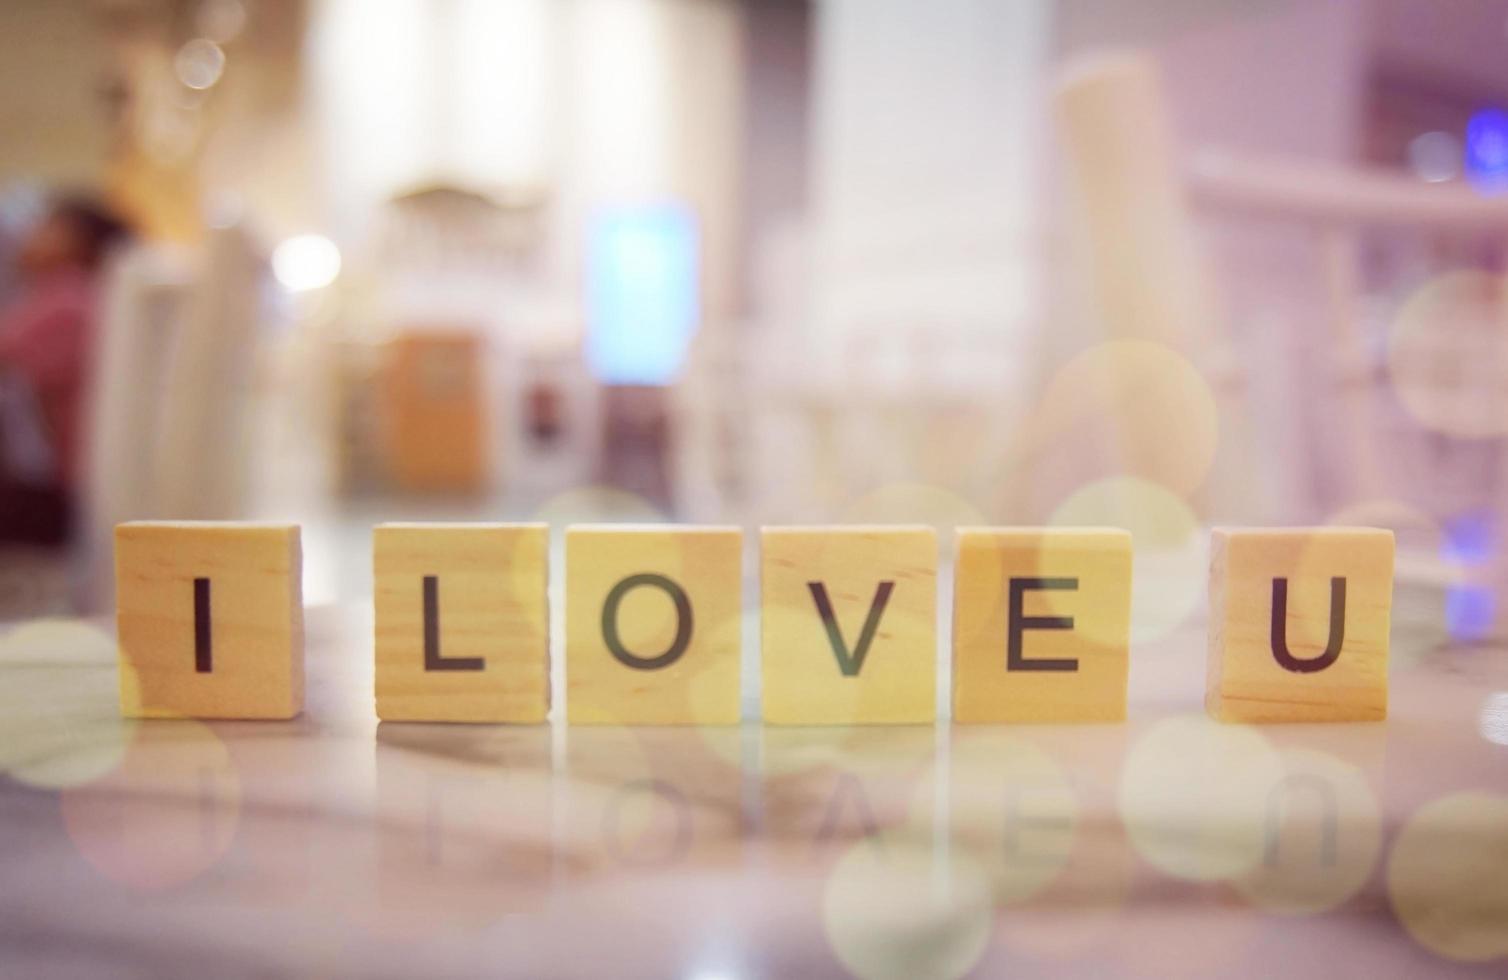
point(1147, 401)
point(1447, 354)
point(1169, 556)
point(60, 722)
point(1194, 797)
point(906, 912)
point(1448, 876)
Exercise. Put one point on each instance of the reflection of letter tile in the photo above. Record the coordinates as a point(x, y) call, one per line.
point(1064, 658)
point(656, 800)
point(653, 624)
point(462, 622)
point(1279, 648)
point(461, 809)
point(827, 789)
point(210, 619)
point(849, 625)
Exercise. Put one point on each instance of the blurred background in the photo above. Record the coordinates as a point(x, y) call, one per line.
point(1160, 264)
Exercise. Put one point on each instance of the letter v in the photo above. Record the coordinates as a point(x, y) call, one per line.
point(850, 664)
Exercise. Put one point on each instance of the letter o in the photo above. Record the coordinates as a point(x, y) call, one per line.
point(610, 622)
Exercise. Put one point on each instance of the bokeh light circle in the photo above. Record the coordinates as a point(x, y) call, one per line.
point(60, 722)
point(305, 262)
point(1169, 559)
point(166, 815)
point(199, 63)
point(1144, 399)
point(1193, 795)
point(901, 912)
point(1448, 354)
point(1435, 157)
point(1448, 876)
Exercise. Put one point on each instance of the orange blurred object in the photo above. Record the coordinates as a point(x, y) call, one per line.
point(433, 409)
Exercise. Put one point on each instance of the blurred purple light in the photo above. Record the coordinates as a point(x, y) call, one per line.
point(1487, 150)
point(1470, 608)
point(1469, 538)
point(1469, 612)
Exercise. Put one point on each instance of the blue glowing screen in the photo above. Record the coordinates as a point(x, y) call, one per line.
point(1469, 538)
point(643, 293)
point(1486, 149)
point(1470, 608)
point(1470, 611)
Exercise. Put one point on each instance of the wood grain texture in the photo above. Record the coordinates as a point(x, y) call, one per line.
point(1301, 674)
point(482, 651)
point(653, 625)
point(1065, 657)
point(210, 620)
point(824, 594)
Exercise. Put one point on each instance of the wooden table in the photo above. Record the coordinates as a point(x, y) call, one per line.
point(333, 846)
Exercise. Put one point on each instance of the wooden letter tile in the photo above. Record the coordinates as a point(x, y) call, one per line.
point(1299, 624)
point(653, 625)
point(210, 620)
point(463, 625)
point(1041, 624)
point(849, 625)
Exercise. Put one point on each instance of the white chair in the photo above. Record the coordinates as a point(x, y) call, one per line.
point(138, 325)
point(177, 346)
point(1325, 435)
point(202, 451)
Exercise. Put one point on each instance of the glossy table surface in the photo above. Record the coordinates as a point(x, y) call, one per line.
point(332, 845)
